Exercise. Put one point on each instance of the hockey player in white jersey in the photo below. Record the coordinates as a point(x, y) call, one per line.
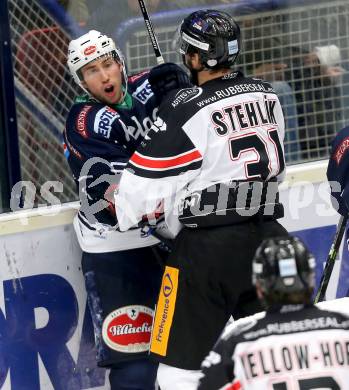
point(212, 160)
point(294, 345)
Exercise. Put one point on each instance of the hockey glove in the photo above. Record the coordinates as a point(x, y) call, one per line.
point(166, 77)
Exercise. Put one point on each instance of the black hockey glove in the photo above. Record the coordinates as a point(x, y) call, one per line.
point(166, 77)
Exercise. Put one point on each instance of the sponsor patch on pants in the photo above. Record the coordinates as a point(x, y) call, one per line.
point(128, 329)
point(164, 311)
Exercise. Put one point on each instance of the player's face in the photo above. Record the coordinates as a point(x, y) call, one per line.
point(103, 79)
point(192, 62)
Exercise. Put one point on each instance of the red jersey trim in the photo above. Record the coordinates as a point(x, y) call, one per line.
point(234, 386)
point(165, 163)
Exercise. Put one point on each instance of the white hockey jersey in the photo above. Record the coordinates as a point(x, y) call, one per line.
point(101, 238)
point(206, 142)
point(290, 348)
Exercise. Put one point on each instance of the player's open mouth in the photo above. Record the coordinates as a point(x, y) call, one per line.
point(109, 90)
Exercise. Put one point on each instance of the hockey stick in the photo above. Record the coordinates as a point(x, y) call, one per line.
point(151, 33)
point(331, 258)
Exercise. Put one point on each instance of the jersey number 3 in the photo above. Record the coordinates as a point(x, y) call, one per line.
point(262, 156)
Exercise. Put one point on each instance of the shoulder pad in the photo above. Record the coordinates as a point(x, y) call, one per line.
point(140, 88)
point(268, 88)
point(340, 145)
point(89, 119)
point(137, 76)
point(186, 95)
point(77, 118)
point(241, 325)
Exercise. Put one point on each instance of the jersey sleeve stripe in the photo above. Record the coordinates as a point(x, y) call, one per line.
point(164, 173)
point(143, 167)
point(165, 163)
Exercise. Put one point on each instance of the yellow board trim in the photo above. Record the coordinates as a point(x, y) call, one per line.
point(164, 311)
point(38, 218)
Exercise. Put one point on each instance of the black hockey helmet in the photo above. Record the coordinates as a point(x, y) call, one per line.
point(214, 35)
point(283, 266)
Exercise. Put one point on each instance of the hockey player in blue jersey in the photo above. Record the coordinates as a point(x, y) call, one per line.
point(122, 274)
point(338, 171)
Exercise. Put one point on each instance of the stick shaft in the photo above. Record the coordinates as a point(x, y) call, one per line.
point(151, 33)
point(331, 258)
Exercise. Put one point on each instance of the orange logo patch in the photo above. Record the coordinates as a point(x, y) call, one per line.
point(164, 311)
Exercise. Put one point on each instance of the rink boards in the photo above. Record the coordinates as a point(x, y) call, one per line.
point(46, 336)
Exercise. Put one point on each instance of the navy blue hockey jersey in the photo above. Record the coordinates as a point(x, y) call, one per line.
point(99, 141)
point(338, 171)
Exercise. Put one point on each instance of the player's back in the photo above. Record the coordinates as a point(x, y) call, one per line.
point(291, 348)
point(238, 123)
point(235, 127)
point(206, 144)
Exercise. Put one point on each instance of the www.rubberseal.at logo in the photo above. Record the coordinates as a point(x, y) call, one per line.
point(167, 285)
point(128, 329)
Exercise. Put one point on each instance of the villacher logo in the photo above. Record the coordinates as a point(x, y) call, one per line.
point(128, 329)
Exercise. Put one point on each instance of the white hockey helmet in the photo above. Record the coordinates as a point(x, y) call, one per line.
point(89, 47)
